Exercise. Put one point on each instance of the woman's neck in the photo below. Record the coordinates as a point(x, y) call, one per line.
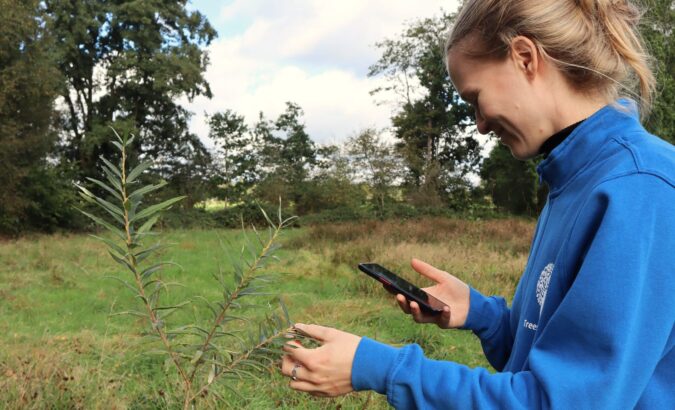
point(571, 107)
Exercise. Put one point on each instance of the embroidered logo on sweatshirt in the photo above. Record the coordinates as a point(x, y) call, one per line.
point(542, 285)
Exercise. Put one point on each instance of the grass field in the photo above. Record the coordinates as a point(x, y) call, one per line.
point(61, 348)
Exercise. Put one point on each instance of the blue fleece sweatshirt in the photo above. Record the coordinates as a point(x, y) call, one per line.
point(591, 324)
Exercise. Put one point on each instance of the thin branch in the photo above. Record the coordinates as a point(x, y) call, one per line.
point(245, 356)
point(243, 283)
point(139, 284)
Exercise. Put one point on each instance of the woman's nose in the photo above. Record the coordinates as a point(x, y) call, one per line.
point(481, 124)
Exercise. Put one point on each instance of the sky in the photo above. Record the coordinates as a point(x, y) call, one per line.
point(315, 53)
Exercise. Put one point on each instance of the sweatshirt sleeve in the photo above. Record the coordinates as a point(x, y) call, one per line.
point(601, 345)
point(489, 319)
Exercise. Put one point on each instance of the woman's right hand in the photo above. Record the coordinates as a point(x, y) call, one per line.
point(448, 289)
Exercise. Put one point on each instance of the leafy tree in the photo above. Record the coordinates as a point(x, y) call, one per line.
point(377, 163)
point(191, 174)
point(28, 87)
point(127, 63)
point(287, 155)
point(512, 184)
point(238, 149)
point(431, 120)
point(296, 150)
point(657, 30)
point(331, 185)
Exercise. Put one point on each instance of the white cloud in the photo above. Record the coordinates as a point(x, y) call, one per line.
point(315, 53)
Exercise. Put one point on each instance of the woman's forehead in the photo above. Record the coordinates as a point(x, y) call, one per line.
point(460, 65)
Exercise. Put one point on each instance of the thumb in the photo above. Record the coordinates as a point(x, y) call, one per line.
point(429, 271)
point(317, 332)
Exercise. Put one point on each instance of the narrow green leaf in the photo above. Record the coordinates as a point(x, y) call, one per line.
point(87, 198)
point(134, 173)
point(147, 272)
point(130, 312)
point(205, 332)
point(106, 187)
point(285, 310)
point(85, 191)
point(110, 176)
point(226, 334)
point(140, 256)
point(242, 374)
point(111, 167)
point(147, 225)
point(122, 253)
point(112, 210)
point(116, 134)
point(118, 145)
point(212, 374)
point(125, 283)
point(156, 208)
point(138, 194)
point(257, 235)
point(105, 224)
point(172, 307)
point(196, 357)
point(154, 281)
point(130, 140)
point(267, 218)
point(159, 286)
point(288, 221)
point(122, 261)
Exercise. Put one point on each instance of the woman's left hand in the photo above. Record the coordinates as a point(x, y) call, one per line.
point(325, 371)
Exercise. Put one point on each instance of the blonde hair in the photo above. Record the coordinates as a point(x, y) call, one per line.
point(595, 43)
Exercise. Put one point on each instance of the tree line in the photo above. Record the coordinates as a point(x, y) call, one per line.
point(71, 70)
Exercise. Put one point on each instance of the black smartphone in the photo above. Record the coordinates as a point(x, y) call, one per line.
point(427, 303)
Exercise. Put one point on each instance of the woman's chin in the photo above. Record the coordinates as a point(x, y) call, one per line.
point(519, 151)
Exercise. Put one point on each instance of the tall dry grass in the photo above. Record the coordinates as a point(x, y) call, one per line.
point(489, 255)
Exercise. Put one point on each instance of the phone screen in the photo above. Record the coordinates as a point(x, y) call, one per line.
point(410, 291)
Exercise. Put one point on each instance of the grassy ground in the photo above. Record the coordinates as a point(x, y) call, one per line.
point(60, 348)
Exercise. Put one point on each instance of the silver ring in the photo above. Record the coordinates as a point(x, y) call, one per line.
point(294, 372)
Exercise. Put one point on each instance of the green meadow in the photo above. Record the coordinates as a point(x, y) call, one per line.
point(61, 346)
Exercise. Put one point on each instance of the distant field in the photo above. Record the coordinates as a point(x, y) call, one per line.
point(59, 348)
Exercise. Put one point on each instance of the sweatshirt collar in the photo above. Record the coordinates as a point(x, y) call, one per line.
point(583, 145)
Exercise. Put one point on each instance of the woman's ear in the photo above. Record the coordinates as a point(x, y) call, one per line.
point(525, 55)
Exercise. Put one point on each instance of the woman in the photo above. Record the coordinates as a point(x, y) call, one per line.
point(591, 324)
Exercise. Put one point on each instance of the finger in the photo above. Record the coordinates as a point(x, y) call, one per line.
point(301, 372)
point(418, 315)
point(300, 355)
point(444, 318)
point(317, 332)
point(320, 394)
point(293, 344)
point(429, 271)
point(403, 303)
point(286, 365)
point(304, 386)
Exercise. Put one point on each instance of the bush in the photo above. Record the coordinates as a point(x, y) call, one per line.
point(46, 205)
point(224, 218)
